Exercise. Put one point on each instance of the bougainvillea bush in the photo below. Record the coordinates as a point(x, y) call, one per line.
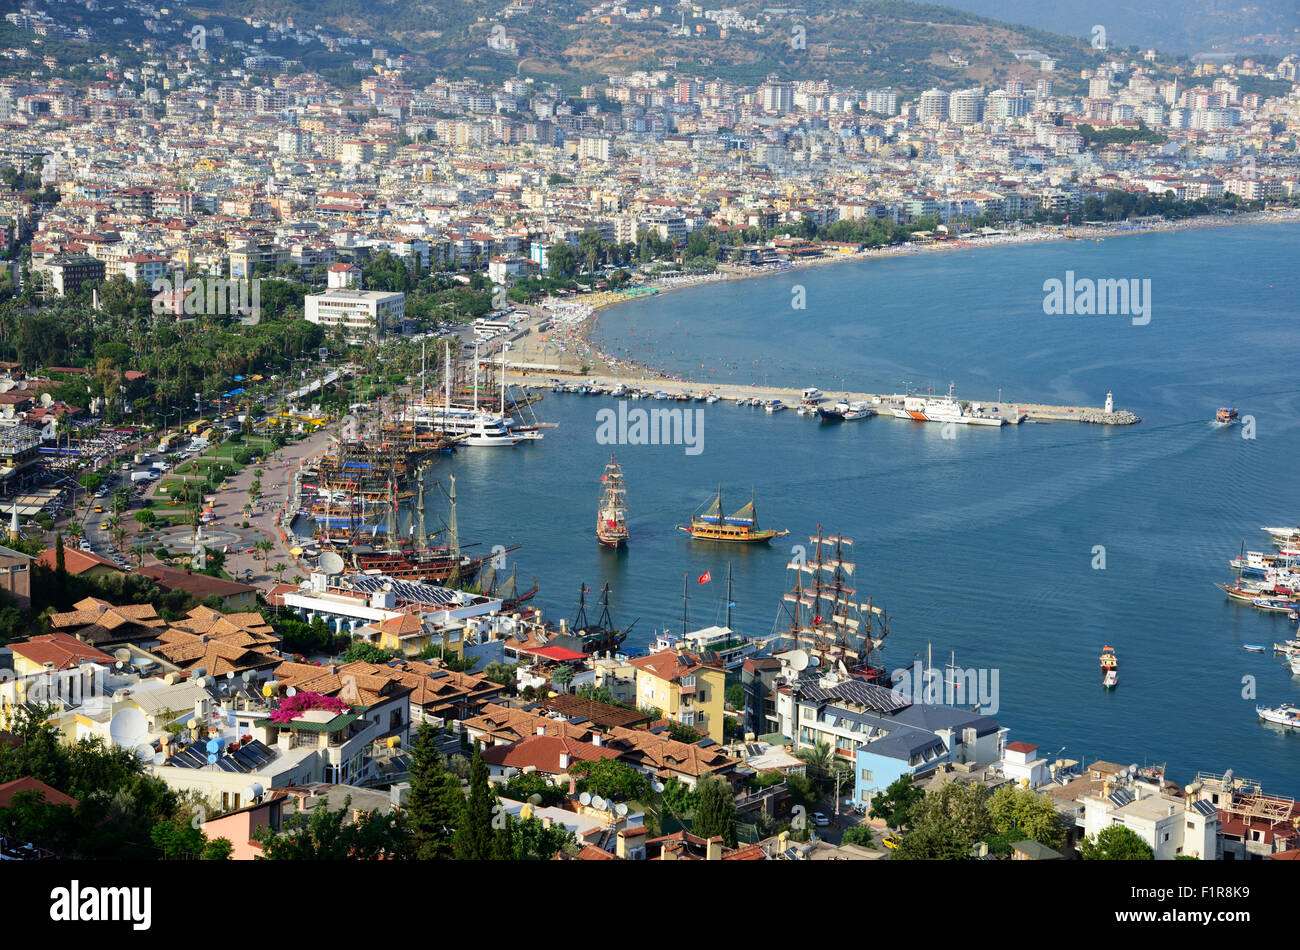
point(291, 707)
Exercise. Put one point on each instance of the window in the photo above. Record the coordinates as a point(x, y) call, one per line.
point(867, 776)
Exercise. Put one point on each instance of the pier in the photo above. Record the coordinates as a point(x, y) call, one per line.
point(881, 402)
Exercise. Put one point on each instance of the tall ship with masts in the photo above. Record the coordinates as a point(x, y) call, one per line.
point(611, 514)
point(825, 616)
point(738, 528)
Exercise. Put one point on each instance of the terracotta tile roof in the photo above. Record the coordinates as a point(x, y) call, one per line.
point(666, 756)
point(64, 651)
point(669, 664)
point(508, 724)
point(28, 784)
point(543, 753)
point(358, 684)
point(200, 585)
point(601, 714)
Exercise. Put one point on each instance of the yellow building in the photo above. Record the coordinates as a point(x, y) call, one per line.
point(683, 689)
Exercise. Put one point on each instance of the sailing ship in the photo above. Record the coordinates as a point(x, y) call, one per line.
point(826, 618)
point(506, 591)
point(739, 528)
point(611, 515)
point(1109, 668)
point(585, 637)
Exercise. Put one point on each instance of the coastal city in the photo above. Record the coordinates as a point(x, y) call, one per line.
point(354, 402)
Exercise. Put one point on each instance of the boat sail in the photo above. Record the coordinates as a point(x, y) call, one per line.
point(826, 618)
point(611, 515)
point(739, 528)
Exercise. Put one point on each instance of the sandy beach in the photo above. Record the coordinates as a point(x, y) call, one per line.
point(566, 349)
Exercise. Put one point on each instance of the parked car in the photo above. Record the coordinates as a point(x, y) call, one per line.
point(820, 820)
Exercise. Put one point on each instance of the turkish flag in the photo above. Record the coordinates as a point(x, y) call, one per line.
point(817, 619)
point(704, 578)
point(610, 524)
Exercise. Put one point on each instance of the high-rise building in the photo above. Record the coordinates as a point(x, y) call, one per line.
point(966, 106)
point(934, 104)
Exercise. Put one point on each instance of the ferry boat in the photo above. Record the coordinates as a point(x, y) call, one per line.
point(1226, 416)
point(1258, 564)
point(611, 515)
point(739, 528)
point(1283, 535)
point(1285, 715)
point(1109, 668)
point(858, 410)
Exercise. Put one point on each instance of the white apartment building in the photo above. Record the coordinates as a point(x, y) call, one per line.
point(356, 311)
point(1170, 826)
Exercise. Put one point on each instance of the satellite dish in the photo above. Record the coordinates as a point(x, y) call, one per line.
point(248, 678)
point(657, 786)
point(212, 758)
point(122, 655)
point(598, 803)
point(585, 798)
point(144, 752)
point(799, 660)
point(621, 810)
point(331, 563)
point(534, 799)
point(47, 400)
point(291, 691)
point(230, 675)
point(128, 728)
point(159, 758)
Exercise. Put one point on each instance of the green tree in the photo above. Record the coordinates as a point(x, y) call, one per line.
point(435, 802)
point(563, 677)
point(947, 823)
point(1115, 843)
point(894, 805)
point(473, 838)
point(610, 778)
point(715, 811)
point(1033, 814)
point(326, 835)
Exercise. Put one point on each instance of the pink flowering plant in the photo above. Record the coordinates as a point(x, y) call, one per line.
point(291, 707)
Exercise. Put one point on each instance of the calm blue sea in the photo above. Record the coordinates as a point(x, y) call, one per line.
point(982, 544)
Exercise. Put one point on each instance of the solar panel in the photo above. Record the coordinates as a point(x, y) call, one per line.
point(1205, 808)
point(227, 764)
point(1120, 797)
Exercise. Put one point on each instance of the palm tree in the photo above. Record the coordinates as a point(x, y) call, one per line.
point(264, 547)
point(280, 568)
point(820, 758)
point(139, 549)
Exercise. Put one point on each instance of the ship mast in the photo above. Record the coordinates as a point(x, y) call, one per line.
point(685, 597)
point(728, 595)
point(453, 537)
